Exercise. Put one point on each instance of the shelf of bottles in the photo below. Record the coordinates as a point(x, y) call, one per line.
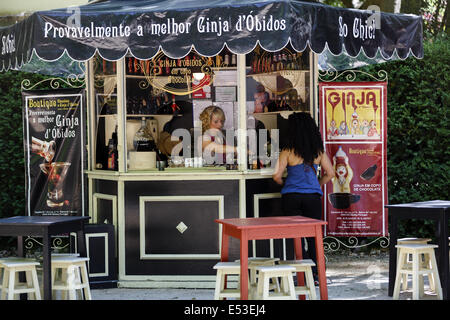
point(106, 142)
point(278, 63)
point(284, 75)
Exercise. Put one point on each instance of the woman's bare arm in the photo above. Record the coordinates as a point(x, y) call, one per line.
point(280, 167)
point(327, 169)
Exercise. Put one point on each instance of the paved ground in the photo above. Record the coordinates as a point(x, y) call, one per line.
point(351, 277)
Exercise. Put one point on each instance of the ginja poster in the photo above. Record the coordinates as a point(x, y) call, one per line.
point(54, 151)
point(354, 131)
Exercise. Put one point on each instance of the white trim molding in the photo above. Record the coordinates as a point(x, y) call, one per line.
point(106, 264)
point(142, 200)
point(256, 198)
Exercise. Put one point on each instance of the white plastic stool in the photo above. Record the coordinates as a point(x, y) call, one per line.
point(253, 263)
point(2, 268)
point(74, 276)
point(224, 269)
point(305, 266)
point(11, 285)
point(416, 269)
point(265, 273)
point(408, 259)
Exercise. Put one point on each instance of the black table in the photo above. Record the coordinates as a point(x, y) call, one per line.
point(438, 210)
point(45, 227)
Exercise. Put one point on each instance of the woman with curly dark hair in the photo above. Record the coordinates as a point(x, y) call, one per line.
point(301, 193)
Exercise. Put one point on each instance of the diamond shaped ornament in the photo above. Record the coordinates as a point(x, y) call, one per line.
point(181, 227)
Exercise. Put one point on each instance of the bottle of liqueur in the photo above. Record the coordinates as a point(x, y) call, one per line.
point(130, 65)
point(286, 106)
point(136, 66)
point(226, 61)
point(233, 60)
point(112, 152)
point(290, 62)
point(158, 105)
point(280, 63)
point(269, 64)
point(279, 103)
point(175, 108)
point(254, 64)
point(258, 68)
point(167, 67)
point(167, 105)
point(143, 140)
point(272, 106)
point(274, 63)
point(294, 64)
point(152, 105)
point(300, 61)
point(164, 106)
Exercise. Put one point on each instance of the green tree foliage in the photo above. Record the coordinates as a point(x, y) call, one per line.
point(12, 177)
point(419, 128)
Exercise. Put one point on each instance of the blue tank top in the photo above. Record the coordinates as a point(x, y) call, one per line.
point(301, 178)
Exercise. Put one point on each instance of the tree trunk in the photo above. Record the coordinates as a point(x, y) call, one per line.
point(446, 19)
point(435, 19)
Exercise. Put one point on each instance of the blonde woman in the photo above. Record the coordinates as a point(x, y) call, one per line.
point(213, 139)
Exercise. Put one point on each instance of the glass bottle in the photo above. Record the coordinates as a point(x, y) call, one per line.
point(143, 140)
point(112, 152)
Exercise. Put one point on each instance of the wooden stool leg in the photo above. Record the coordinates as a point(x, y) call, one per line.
point(253, 276)
point(415, 276)
point(29, 281)
point(437, 281)
point(71, 282)
point(276, 284)
point(398, 277)
point(35, 281)
point(85, 280)
point(12, 283)
point(431, 280)
point(219, 279)
point(421, 286)
point(290, 283)
point(5, 283)
point(265, 293)
point(310, 283)
point(284, 285)
point(404, 261)
point(64, 278)
point(54, 274)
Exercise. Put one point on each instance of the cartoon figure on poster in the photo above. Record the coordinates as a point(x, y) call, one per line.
point(343, 129)
point(364, 128)
point(332, 130)
point(344, 173)
point(355, 125)
point(373, 129)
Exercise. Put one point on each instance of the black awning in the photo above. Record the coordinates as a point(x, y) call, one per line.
point(176, 26)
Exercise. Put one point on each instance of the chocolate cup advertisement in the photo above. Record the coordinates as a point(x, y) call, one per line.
point(53, 143)
point(354, 132)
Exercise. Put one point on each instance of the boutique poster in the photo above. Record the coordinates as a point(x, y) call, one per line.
point(54, 150)
point(353, 126)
